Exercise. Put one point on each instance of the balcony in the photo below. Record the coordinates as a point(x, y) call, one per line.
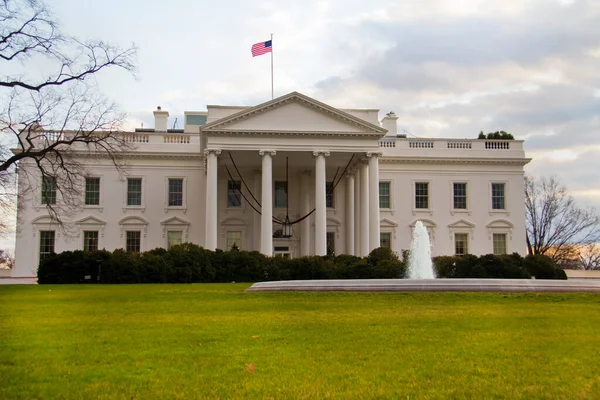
point(451, 148)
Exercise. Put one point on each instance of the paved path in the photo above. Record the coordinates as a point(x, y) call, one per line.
point(430, 285)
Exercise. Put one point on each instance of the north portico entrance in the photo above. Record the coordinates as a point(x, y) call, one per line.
point(247, 153)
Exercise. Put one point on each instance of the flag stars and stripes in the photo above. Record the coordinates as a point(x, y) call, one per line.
point(261, 48)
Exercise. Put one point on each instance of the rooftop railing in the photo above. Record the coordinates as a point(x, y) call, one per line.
point(452, 144)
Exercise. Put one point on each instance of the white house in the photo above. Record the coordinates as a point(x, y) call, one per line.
point(234, 174)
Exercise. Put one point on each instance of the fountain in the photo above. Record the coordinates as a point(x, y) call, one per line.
point(419, 261)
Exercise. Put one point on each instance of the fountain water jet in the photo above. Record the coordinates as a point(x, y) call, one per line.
point(420, 265)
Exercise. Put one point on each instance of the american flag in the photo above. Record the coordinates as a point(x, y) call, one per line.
point(261, 48)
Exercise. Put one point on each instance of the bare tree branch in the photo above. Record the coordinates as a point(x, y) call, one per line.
point(50, 123)
point(555, 225)
point(29, 30)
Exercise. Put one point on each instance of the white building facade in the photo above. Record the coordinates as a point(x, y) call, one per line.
point(344, 179)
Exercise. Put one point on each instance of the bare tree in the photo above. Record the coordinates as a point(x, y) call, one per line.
point(589, 257)
point(556, 226)
point(7, 260)
point(50, 120)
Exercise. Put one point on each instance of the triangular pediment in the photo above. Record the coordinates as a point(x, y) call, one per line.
point(461, 223)
point(387, 223)
point(295, 113)
point(175, 221)
point(91, 220)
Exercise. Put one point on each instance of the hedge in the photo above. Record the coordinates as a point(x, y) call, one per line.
point(512, 266)
point(188, 263)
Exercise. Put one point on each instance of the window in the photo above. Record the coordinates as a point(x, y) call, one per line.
point(461, 244)
point(175, 192)
point(498, 196)
point(499, 240)
point(280, 200)
point(234, 199)
point(174, 238)
point(234, 240)
point(133, 241)
point(46, 244)
point(329, 195)
point(90, 240)
point(384, 195)
point(330, 243)
point(48, 190)
point(134, 191)
point(460, 196)
point(385, 240)
point(195, 119)
point(92, 191)
point(422, 195)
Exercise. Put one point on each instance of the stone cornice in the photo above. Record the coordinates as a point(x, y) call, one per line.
point(297, 98)
point(220, 132)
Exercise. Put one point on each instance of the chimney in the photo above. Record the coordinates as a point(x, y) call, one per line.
point(389, 122)
point(160, 120)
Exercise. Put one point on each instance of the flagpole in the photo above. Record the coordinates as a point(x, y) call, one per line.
point(272, 96)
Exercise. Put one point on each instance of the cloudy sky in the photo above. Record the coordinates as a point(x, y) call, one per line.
point(448, 68)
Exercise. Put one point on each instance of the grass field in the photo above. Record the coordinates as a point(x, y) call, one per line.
point(216, 341)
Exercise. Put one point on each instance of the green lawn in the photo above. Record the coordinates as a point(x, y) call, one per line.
point(202, 341)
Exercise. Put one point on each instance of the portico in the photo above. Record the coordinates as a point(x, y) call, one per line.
point(324, 165)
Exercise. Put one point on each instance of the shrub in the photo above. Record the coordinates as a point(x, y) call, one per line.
point(445, 266)
point(72, 267)
point(542, 267)
point(380, 254)
point(121, 267)
point(154, 267)
point(242, 266)
point(388, 269)
point(189, 263)
point(491, 266)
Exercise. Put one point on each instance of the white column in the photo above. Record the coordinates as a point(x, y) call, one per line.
point(320, 203)
point(305, 209)
point(212, 212)
point(373, 200)
point(256, 216)
point(357, 186)
point(364, 210)
point(350, 214)
point(266, 226)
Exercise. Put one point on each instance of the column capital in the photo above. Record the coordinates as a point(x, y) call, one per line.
point(374, 154)
point(216, 151)
point(269, 152)
point(317, 153)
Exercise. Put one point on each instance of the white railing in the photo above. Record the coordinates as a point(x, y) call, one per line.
point(497, 145)
point(420, 144)
point(387, 143)
point(450, 145)
point(136, 138)
point(454, 144)
point(180, 139)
